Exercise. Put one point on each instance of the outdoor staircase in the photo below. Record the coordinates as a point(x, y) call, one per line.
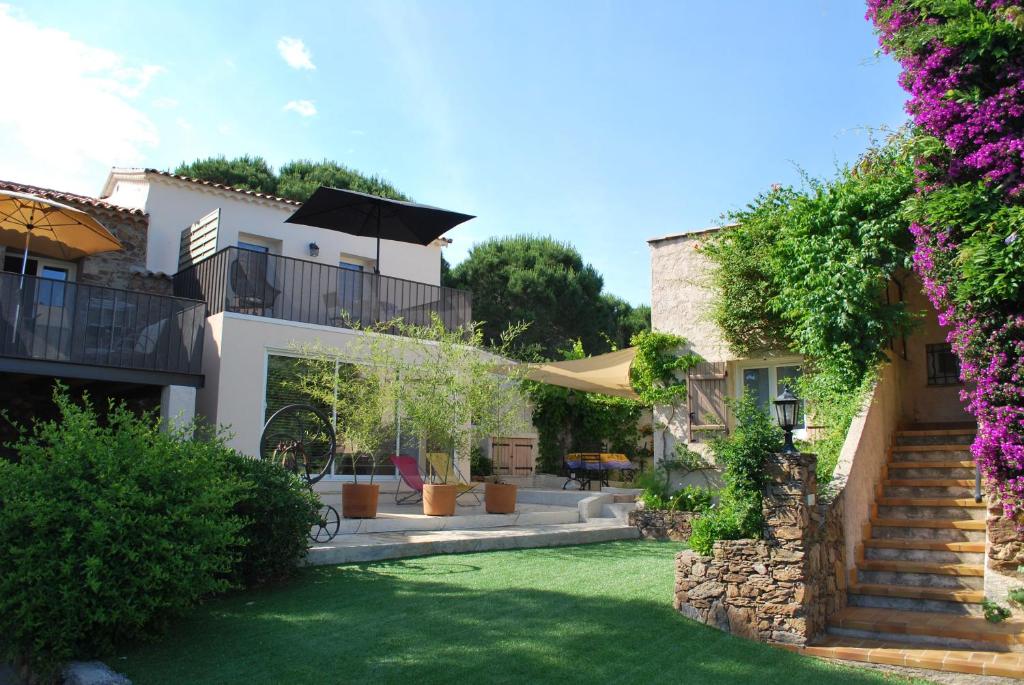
point(915, 596)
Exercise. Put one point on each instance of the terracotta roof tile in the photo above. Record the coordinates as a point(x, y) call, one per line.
point(221, 186)
point(62, 196)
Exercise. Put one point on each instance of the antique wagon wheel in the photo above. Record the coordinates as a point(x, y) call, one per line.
point(299, 437)
point(326, 526)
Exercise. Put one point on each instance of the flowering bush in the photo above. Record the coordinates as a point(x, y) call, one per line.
point(963, 64)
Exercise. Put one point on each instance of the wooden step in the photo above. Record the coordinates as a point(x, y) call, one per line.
point(967, 524)
point(953, 503)
point(959, 464)
point(933, 623)
point(930, 545)
point(930, 482)
point(994, 663)
point(934, 433)
point(948, 447)
point(899, 566)
point(944, 594)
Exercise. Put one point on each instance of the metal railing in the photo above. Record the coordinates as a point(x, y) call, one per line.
point(50, 320)
point(261, 284)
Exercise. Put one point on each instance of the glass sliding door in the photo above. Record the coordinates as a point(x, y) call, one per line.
point(764, 382)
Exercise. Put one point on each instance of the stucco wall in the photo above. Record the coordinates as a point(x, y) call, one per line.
point(680, 296)
point(924, 403)
point(235, 355)
point(865, 451)
point(174, 205)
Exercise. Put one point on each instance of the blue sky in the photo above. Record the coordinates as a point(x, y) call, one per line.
point(600, 123)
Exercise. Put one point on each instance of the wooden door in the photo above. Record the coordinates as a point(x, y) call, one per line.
point(513, 456)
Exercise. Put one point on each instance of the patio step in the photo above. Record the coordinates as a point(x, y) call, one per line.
point(1006, 664)
point(929, 627)
point(364, 547)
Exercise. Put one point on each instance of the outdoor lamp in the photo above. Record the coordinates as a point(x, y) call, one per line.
point(314, 250)
point(785, 411)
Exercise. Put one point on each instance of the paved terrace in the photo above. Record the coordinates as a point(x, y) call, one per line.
point(543, 518)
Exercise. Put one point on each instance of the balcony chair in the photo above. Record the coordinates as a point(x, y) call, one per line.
point(447, 471)
point(253, 294)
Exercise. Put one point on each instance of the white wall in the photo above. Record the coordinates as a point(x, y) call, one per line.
point(174, 205)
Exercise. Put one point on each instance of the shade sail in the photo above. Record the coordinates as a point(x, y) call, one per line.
point(51, 229)
point(606, 374)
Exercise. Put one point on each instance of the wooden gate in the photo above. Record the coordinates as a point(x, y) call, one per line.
point(513, 456)
point(706, 390)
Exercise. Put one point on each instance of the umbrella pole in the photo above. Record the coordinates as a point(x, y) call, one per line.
point(21, 285)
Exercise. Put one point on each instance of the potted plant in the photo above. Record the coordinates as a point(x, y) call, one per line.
point(361, 399)
point(499, 497)
point(455, 393)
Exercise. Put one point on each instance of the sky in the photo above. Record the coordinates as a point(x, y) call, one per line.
point(602, 124)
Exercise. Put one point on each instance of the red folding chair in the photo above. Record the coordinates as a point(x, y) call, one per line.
point(409, 471)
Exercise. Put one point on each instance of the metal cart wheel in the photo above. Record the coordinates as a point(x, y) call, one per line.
point(326, 526)
point(299, 437)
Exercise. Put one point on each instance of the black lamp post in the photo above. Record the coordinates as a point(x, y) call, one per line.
point(785, 411)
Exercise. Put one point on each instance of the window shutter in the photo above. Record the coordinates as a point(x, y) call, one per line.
point(705, 399)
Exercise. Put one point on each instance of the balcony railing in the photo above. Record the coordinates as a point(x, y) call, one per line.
point(261, 284)
point(49, 320)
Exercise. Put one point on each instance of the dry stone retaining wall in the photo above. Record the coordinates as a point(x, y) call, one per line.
point(784, 587)
point(655, 524)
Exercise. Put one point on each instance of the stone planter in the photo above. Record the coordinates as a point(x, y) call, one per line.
point(439, 499)
point(359, 500)
point(655, 524)
point(500, 498)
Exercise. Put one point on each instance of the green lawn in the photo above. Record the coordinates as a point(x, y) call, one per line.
point(595, 613)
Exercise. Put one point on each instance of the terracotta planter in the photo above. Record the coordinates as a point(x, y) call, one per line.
point(359, 500)
point(439, 499)
point(500, 498)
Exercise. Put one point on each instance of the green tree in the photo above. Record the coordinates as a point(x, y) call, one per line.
point(624, 321)
point(298, 179)
point(540, 281)
point(246, 172)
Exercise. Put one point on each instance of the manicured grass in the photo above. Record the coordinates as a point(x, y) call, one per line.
point(595, 613)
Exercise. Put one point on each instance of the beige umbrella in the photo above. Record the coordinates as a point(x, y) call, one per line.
point(50, 229)
point(607, 374)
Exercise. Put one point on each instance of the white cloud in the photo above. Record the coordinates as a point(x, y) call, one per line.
point(68, 132)
point(304, 108)
point(183, 123)
point(164, 102)
point(295, 53)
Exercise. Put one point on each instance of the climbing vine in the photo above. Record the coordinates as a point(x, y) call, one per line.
point(963, 65)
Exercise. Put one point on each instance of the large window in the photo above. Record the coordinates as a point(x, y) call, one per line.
point(282, 388)
point(766, 381)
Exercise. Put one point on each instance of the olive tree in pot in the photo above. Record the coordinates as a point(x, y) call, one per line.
point(362, 398)
point(455, 392)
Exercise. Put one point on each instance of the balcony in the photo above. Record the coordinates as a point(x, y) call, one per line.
point(55, 328)
point(261, 284)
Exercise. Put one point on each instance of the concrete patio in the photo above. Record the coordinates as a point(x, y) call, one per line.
point(543, 518)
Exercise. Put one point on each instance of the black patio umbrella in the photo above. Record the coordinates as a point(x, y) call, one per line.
point(357, 213)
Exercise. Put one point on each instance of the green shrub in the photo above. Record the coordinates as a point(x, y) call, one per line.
point(691, 498)
point(479, 464)
point(743, 454)
point(278, 510)
point(108, 529)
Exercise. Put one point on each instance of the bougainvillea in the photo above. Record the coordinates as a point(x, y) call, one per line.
point(963, 65)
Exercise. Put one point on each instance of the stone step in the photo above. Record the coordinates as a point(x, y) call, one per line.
point(931, 530)
point(919, 580)
point(946, 502)
point(899, 566)
point(925, 473)
point(362, 547)
point(932, 545)
point(911, 604)
point(929, 491)
point(939, 627)
point(1006, 664)
point(945, 464)
point(912, 512)
point(937, 594)
point(928, 556)
point(929, 482)
point(957, 437)
point(930, 453)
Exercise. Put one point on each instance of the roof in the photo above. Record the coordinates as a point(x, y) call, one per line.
point(109, 186)
point(63, 196)
point(684, 234)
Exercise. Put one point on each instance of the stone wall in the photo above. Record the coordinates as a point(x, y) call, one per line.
point(784, 587)
point(655, 524)
point(1004, 552)
point(125, 269)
